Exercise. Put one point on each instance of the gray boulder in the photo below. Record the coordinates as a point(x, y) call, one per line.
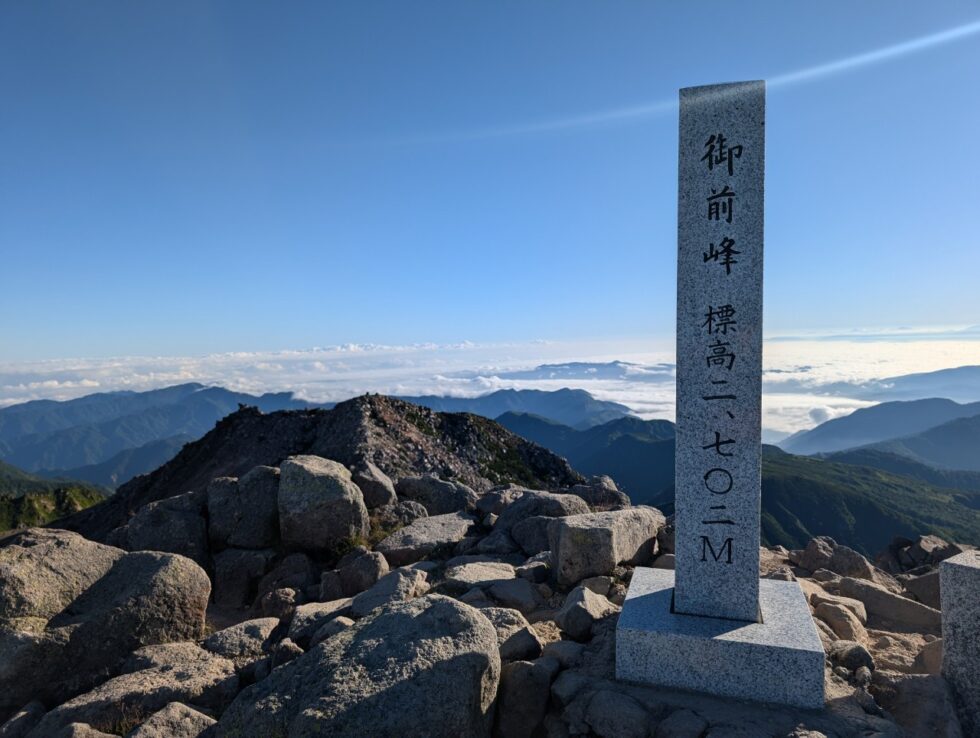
point(176, 720)
point(237, 572)
point(243, 643)
point(601, 492)
point(515, 636)
point(319, 505)
point(296, 571)
point(399, 585)
point(531, 534)
point(359, 570)
point(544, 504)
point(244, 513)
point(311, 617)
point(522, 699)
point(925, 588)
point(425, 537)
point(23, 721)
point(891, 607)
point(375, 485)
point(436, 495)
point(428, 667)
point(477, 574)
point(401, 513)
point(151, 678)
point(595, 543)
point(174, 525)
point(71, 610)
point(582, 609)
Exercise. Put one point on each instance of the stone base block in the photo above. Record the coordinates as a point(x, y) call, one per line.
point(779, 660)
point(959, 585)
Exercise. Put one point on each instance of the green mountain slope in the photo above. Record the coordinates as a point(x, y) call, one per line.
point(27, 500)
point(906, 467)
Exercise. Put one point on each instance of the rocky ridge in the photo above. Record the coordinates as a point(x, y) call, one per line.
point(341, 601)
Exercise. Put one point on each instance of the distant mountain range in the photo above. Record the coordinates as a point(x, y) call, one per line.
point(860, 505)
point(108, 438)
point(884, 422)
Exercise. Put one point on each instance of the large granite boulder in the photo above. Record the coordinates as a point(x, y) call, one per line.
point(237, 572)
point(176, 720)
point(244, 513)
point(436, 495)
point(151, 679)
point(428, 667)
point(174, 525)
point(72, 610)
point(401, 584)
point(543, 504)
point(425, 537)
point(319, 505)
point(601, 492)
point(588, 545)
point(893, 609)
point(375, 485)
point(243, 642)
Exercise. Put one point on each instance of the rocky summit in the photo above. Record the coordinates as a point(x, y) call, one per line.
point(260, 589)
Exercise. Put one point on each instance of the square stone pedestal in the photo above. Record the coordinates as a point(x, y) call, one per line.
point(780, 659)
point(959, 591)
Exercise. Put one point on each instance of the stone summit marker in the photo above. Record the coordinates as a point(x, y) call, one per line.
point(712, 625)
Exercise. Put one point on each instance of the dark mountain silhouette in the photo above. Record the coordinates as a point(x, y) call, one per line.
point(573, 407)
point(126, 464)
point(877, 423)
point(595, 370)
point(952, 445)
point(401, 438)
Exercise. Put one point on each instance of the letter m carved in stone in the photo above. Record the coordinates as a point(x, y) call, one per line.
point(726, 550)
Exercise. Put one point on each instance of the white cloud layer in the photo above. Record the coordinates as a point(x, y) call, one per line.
point(806, 380)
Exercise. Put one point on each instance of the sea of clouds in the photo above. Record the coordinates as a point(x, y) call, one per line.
point(806, 380)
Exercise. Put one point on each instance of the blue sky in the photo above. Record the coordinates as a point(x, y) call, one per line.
point(190, 177)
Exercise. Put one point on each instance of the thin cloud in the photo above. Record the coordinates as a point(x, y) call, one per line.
point(646, 111)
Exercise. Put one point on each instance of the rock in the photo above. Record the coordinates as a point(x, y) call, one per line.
point(665, 537)
point(535, 572)
point(296, 571)
point(842, 621)
point(681, 724)
point(601, 492)
point(581, 610)
point(237, 572)
point(566, 653)
point(174, 525)
point(928, 661)
point(522, 698)
point(921, 704)
point(477, 574)
point(664, 561)
point(426, 667)
point(244, 513)
point(531, 534)
point(311, 617)
point(284, 652)
point(438, 497)
point(925, 588)
point(61, 594)
point(616, 715)
point(176, 720)
point(516, 593)
point(818, 596)
point(244, 642)
point(892, 607)
point(497, 499)
point(539, 504)
point(825, 553)
point(931, 550)
point(152, 678)
point(376, 487)
point(331, 588)
point(319, 505)
point(425, 537)
point(851, 655)
point(516, 638)
point(599, 585)
point(330, 628)
point(498, 543)
point(400, 585)
point(399, 514)
point(81, 730)
point(21, 723)
point(279, 604)
point(594, 543)
point(361, 571)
